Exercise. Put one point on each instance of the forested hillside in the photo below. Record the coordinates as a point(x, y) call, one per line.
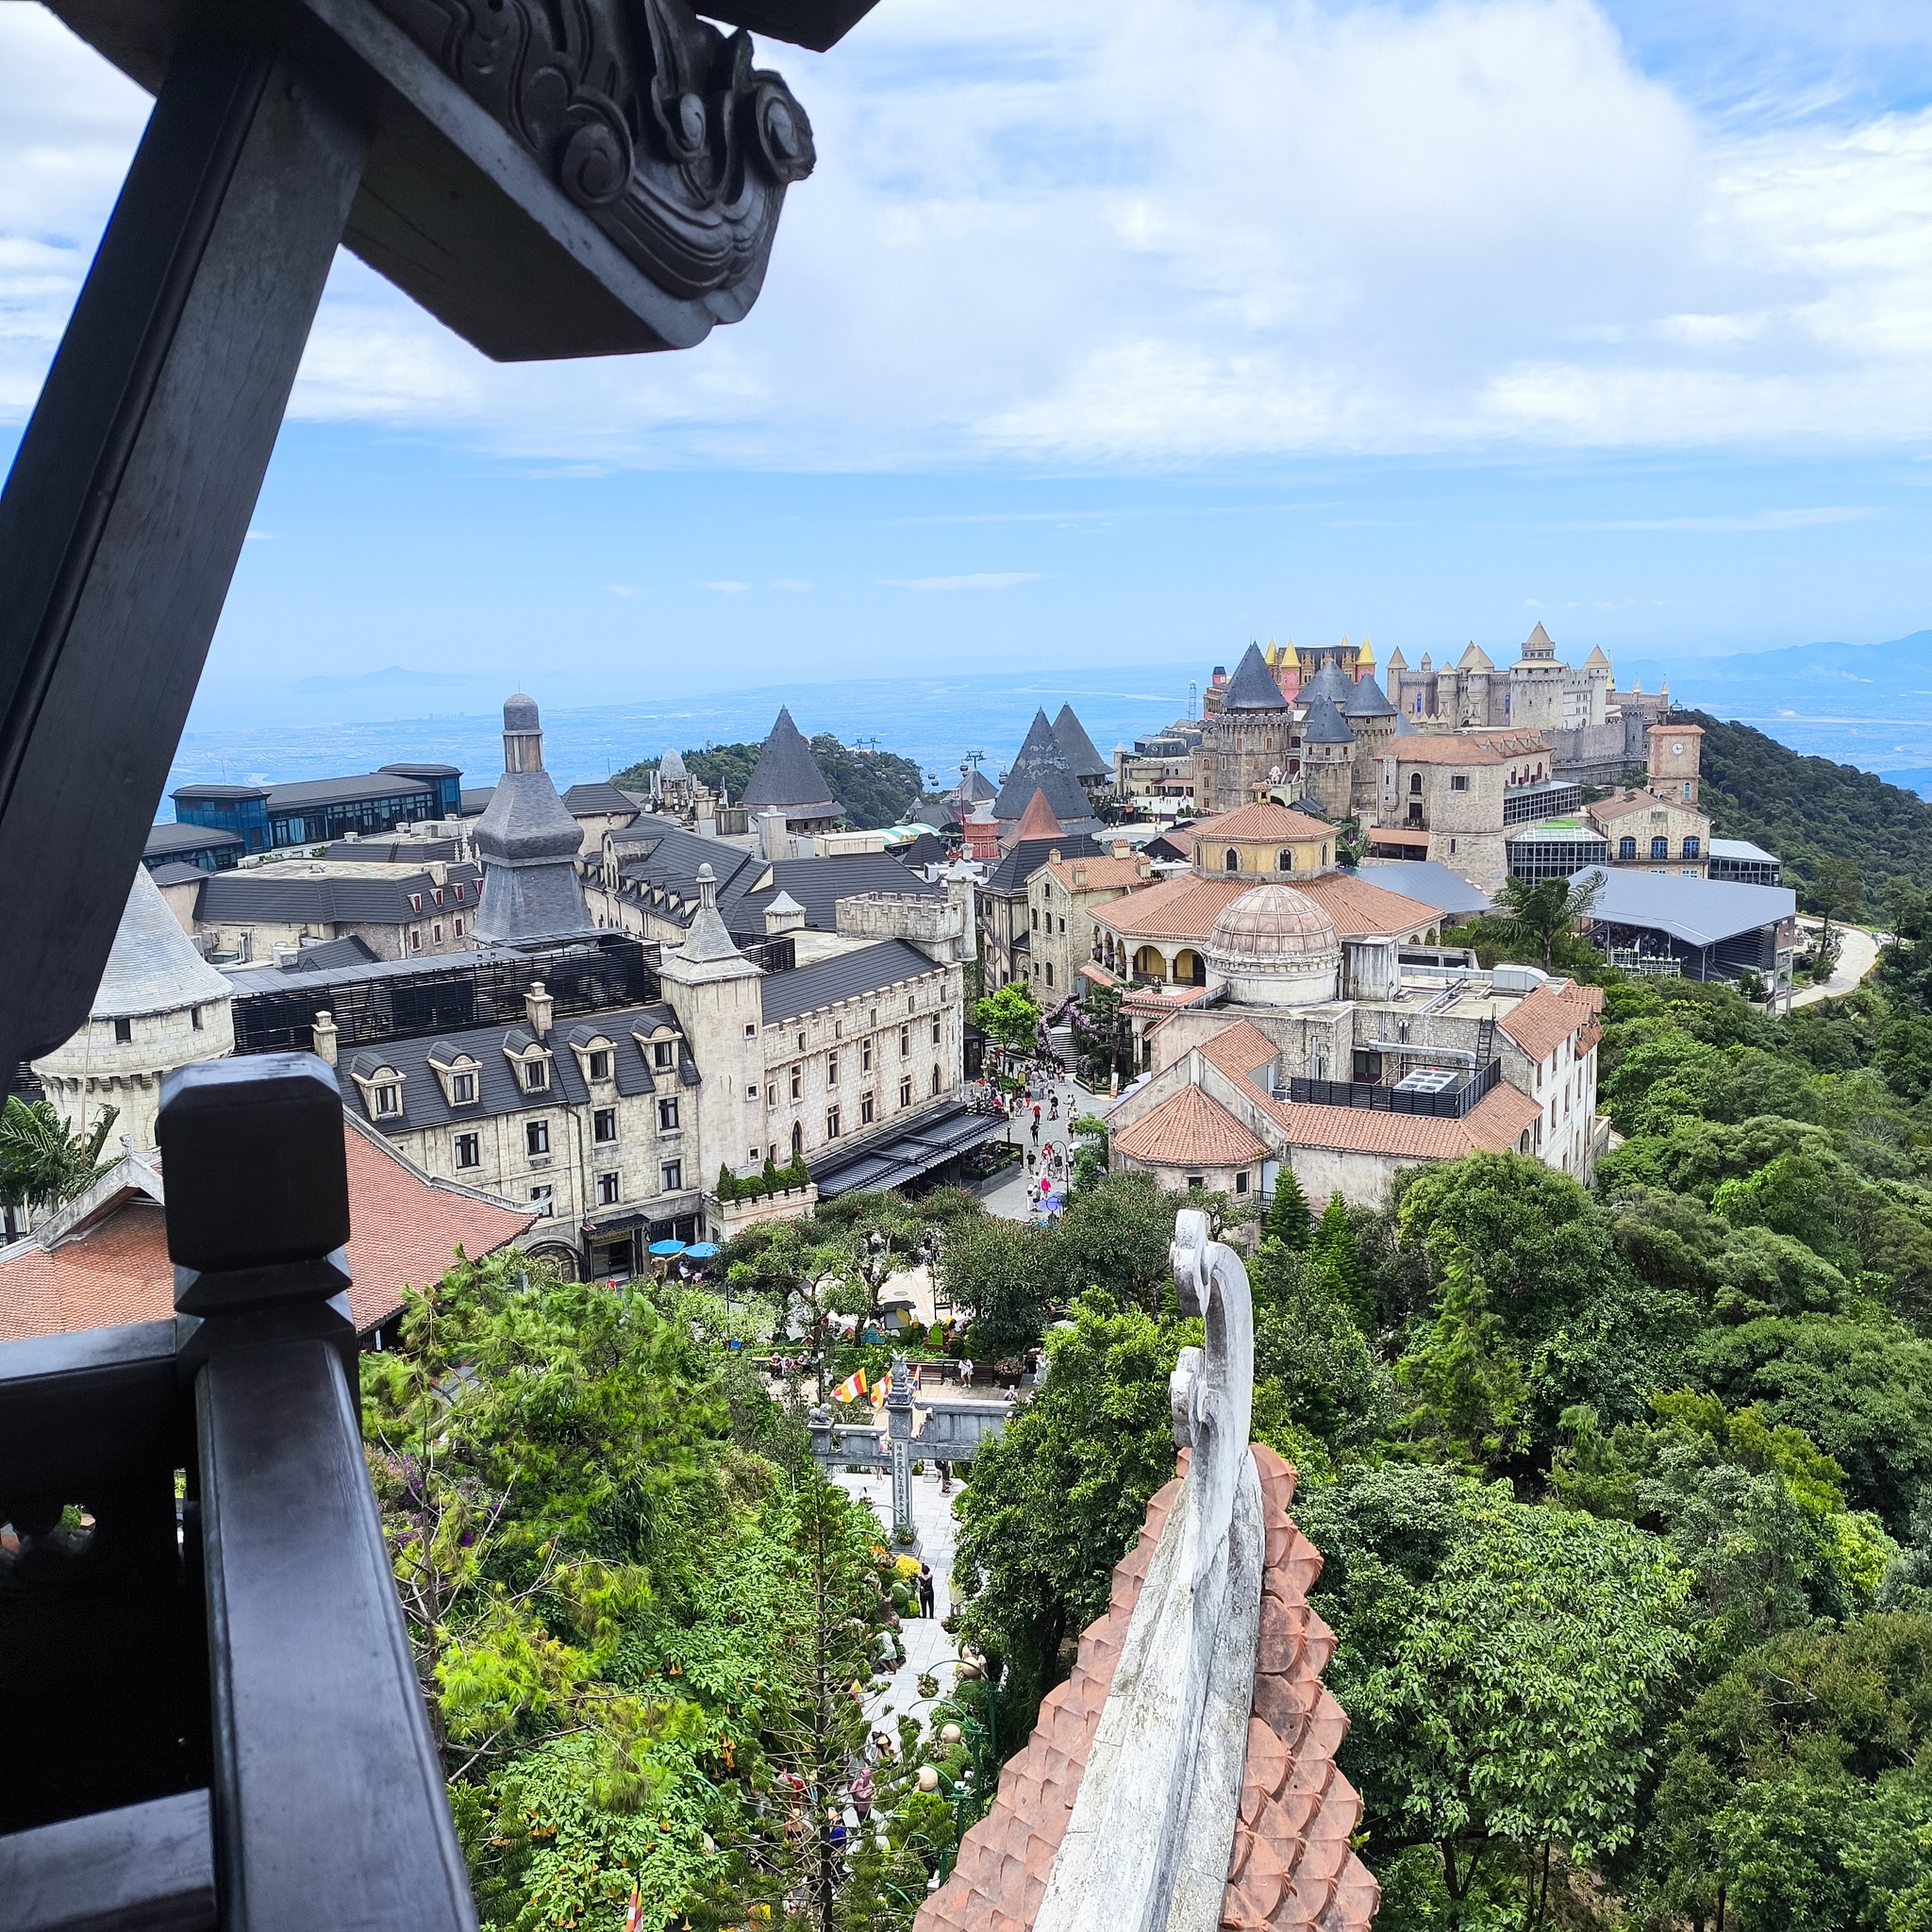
point(877, 788)
point(1805, 809)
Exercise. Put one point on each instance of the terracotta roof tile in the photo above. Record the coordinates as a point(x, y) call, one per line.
point(1493, 1126)
point(1187, 905)
point(1241, 1051)
point(1357, 907)
point(1099, 874)
point(1606, 810)
point(1291, 1865)
point(407, 1231)
point(1189, 1129)
point(1539, 1021)
point(1262, 821)
point(1442, 748)
point(1037, 821)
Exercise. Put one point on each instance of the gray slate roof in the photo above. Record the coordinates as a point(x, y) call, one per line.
point(1365, 699)
point(347, 951)
point(290, 894)
point(1041, 766)
point(176, 873)
point(164, 839)
point(1701, 912)
point(845, 976)
point(153, 966)
point(1252, 687)
point(787, 775)
point(1323, 724)
point(1078, 748)
point(309, 793)
point(1424, 880)
point(391, 850)
point(600, 796)
point(817, 885)
point(476, 799)
point(1329, 681)
point(499, 1090)
point(1018, 864)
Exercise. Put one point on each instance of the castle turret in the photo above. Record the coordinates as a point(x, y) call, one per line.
point(528, 844)
point(1535, 685)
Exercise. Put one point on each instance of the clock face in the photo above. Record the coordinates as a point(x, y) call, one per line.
point(1677, 751)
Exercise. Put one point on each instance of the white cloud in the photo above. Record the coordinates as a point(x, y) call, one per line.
point(728, 586)
point(1168, 233)
point(979, 580)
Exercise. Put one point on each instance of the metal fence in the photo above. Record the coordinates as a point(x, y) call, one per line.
point(1378, 1098)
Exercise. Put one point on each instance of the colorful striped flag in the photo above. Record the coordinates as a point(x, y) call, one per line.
point(634, 1913)
point(852, 1388)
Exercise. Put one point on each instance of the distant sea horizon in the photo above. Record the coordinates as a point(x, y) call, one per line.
point(934, 719)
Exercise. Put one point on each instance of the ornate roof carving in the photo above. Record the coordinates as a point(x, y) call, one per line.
point(650, 120)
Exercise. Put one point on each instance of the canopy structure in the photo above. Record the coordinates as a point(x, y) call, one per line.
point(909, 1154)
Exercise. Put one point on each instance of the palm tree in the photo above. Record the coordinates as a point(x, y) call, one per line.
point(41, 1165)
point(1539, 915)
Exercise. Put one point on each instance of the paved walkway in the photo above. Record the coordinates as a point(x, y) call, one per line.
point(1007, 1195)
point(928, 1646)
point(1856, 957)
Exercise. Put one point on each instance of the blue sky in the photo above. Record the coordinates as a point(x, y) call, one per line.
point(1118, 336)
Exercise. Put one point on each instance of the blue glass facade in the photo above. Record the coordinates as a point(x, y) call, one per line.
point(266, 818)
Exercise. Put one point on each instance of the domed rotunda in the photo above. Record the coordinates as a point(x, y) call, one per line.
point(1276, 947)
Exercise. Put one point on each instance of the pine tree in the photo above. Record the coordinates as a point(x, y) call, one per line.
point(1288, 1220)
point(1333, 1244)
point(1466, 1379)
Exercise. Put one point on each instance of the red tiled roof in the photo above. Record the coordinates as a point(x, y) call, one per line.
point(405, 1231)
point(1239, 1050)
point(1539, 1021)
point(1189, 1129)
point(1290, 1866)
point(1099, 874)
point(1442, 748)
point(1187, 905)
point(1493, 1126)
point(1037, 821)
point(1264, 821)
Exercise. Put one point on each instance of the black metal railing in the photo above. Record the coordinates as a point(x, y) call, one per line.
point(1452, 1103)
point(198, 1626)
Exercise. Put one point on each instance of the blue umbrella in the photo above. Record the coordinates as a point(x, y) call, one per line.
point(702, 1251)
point(667, 1248)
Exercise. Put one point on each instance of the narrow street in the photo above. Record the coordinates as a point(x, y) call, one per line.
point(1857, 955)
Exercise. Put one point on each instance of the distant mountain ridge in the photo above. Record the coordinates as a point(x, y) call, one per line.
point(1887, 680)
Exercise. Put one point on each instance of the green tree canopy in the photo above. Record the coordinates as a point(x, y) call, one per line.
point(41, 1165)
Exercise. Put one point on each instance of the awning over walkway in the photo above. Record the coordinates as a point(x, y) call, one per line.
point(912, 1151)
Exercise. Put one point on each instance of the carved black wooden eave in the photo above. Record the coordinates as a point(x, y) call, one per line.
point(213, 1714)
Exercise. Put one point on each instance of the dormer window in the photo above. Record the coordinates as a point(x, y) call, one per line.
point(389, 1100)
point(462, 1088)
point(663, 1055)
point(436, 895)
point(600, 1063)
point(535, 1076)
point(415, 902)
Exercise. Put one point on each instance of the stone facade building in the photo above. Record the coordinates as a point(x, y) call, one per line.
point(1332, 1052)
point(1659, 827)
point(159, 1005)
point(1061, 900)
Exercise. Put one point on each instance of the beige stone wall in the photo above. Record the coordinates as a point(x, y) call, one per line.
point(1658, 818)
point(93, 1071)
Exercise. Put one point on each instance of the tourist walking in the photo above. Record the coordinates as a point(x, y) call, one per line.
point(925, 1590)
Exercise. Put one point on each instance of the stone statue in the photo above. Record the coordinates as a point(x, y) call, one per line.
point(1147, 1846)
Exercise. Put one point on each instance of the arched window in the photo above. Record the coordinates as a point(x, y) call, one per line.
point(1324, 855)
point(1626, 848)
point(1659, 848)
point(1284, 861)
point(797, 1137)
point(1231, 860)
point(1415, 782)
point(1691, 848)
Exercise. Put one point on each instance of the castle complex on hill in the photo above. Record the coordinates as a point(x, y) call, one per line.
point(1317, 715)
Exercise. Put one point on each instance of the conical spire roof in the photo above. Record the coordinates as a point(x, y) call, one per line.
point(529, 842)
point(1596, 660)
point(153, 967)
point(1078, 748)
point(1331, 682)
point(1037, 821)
point(1323, 724)
point(1539, 643)
point(1041, 766)
point(1365, 699)
point(1475, 658)
point(787, 776)
point(1252, 687)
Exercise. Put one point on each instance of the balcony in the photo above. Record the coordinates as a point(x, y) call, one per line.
point(1415, 1094)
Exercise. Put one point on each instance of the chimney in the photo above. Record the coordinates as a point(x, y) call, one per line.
point(1122, 849)
point(774, 843)
point(540, 1008)
point(325, 1037)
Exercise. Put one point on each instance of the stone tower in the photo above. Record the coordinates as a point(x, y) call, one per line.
point(159, 1005)
point(1535, 685)
point(528, 844)
point(1328, 759)
point(1370, 718)
point(787, 779)
point(1245, 747)
point(1677, 752)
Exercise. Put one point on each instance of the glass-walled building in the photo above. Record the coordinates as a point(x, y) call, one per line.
point(268, 817)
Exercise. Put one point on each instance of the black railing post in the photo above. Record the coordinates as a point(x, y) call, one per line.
point(329, 1800)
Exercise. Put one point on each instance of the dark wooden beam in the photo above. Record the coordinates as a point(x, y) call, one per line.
point(131, 496)
point(144, 1868)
